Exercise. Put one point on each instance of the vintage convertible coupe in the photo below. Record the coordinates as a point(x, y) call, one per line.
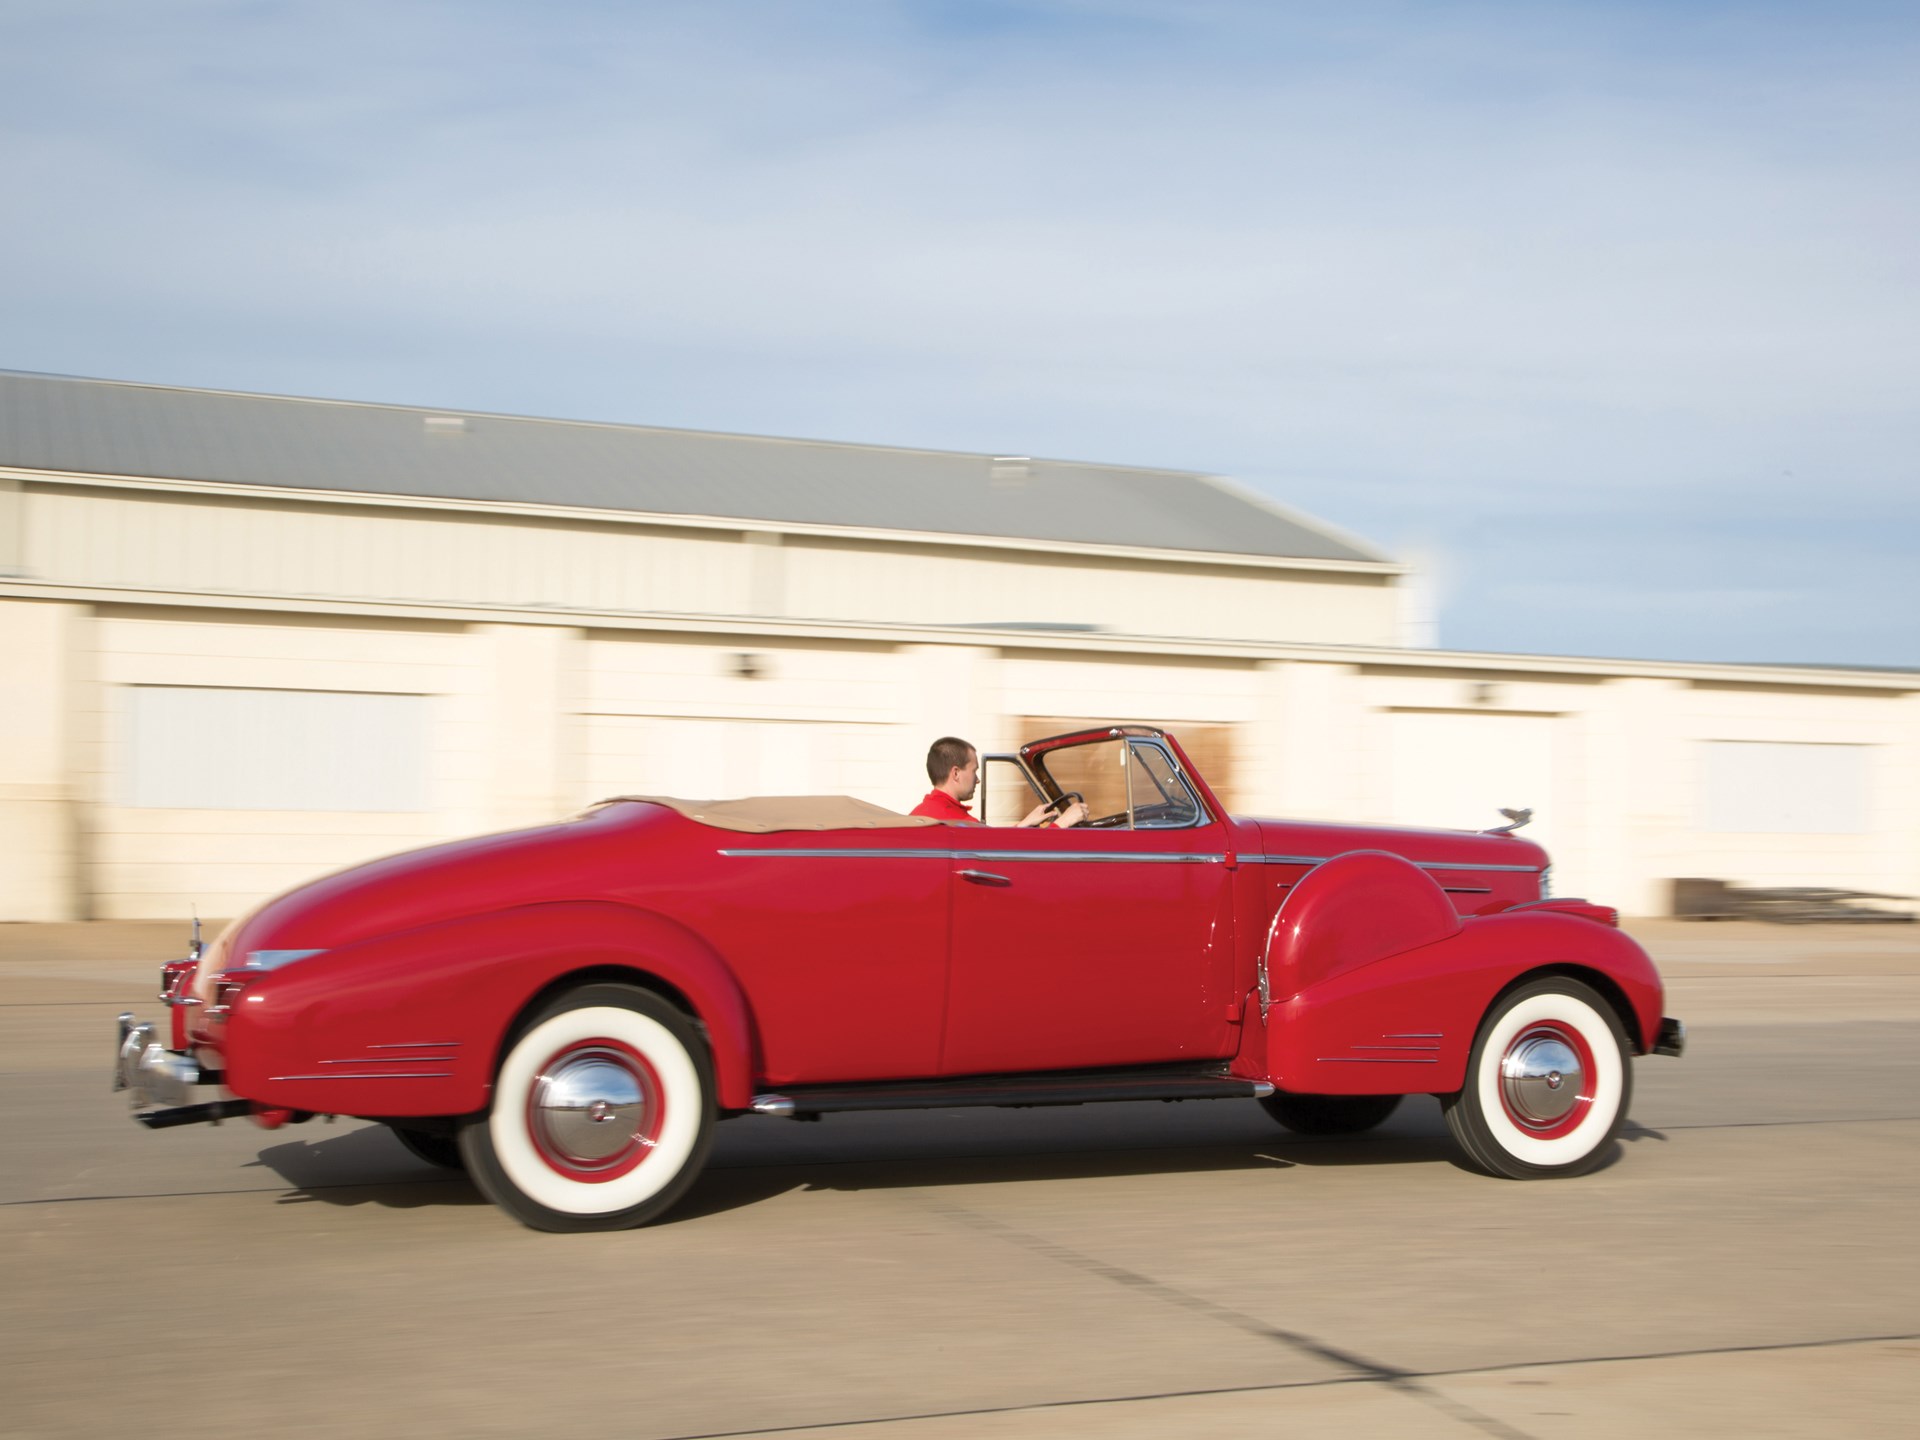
point(566, 1011)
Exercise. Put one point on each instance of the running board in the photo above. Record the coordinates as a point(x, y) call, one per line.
point(1070, 1088)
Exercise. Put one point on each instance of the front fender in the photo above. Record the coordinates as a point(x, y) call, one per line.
point(411, 1024)
point(1351, 911)
point(1405, 1023)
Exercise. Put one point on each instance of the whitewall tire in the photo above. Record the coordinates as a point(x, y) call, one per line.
point(602, 1113)
point(1547, 1086)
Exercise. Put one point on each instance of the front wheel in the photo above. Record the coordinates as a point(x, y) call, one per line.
point(1329, 1114)
point(602, 1113)
point(1548, 1084)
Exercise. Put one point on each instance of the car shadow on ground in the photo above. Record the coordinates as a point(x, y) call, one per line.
point(735, 1186)
point(363, 1166)
point(760, 1159)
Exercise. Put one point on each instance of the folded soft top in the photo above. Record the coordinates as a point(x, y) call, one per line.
point(761, 814)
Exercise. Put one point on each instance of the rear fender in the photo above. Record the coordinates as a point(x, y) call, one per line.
point(412, 1024)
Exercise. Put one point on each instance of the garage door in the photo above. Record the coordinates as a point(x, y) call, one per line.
point(699, 759)
point(1210, 747)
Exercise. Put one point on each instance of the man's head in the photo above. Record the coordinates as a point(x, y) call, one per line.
point(953, 766)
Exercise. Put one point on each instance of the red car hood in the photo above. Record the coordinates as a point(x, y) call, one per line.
point(1310, 842)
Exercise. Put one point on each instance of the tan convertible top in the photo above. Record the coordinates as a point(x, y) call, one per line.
point(759, 814)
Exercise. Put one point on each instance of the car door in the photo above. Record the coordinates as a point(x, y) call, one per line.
point(1087, 947)
point(839, 940)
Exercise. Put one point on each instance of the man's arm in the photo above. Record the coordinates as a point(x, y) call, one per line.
point(1072, 815)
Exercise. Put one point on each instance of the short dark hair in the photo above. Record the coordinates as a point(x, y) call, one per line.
point(945, 753)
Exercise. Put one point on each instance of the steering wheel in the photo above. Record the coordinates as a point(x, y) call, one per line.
point(1059, 803)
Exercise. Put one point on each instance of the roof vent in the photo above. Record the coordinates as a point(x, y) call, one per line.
point(1008, 472)
point(445, 424)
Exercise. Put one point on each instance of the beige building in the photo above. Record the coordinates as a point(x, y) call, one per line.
point(248, 639)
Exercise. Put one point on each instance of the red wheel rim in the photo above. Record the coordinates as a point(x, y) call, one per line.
point(595, 1110)
point(1547, 1082)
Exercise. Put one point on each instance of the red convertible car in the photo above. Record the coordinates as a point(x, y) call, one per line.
point(566, 1011)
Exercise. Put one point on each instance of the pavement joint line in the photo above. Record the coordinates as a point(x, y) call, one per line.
point(1792, 974)
point(1374, 1371)
point(1651, 1131)
point(1032, 1405)
point(1322, 1384)
point(242, 1190)
point(1692, 1353)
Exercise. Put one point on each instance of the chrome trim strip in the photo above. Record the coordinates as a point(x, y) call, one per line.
point(1468, 889)
point(1263, 979)
point(376, 1075)
point(801, 854)
point(418, 1045)
point(1417, 1035)
point(274, 959)
point(1374, 1060)
point(1553, 903)
point(1091, 857)
point(1423, 864)
point(394, 1060)
point(1108, 857)
point(1396, 1047)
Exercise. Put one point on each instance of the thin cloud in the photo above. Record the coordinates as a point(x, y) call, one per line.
point(1489, 276)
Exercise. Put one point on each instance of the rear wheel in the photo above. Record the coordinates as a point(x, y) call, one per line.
point(1548, 1084)
point(1330, 1114)
point(602, 1113)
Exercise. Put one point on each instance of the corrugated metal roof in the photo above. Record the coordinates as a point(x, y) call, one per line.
point(105, 427)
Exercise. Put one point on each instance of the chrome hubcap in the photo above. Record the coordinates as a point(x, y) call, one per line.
point(1541, 1078)
point(590, 1107)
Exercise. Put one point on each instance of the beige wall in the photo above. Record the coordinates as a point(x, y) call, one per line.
point(45, 694)
point(1875, 857)
point(936, 585)
point(556, 662)
point(233, 545)
point(155, 863)
point(222, 544)
point(668, 715)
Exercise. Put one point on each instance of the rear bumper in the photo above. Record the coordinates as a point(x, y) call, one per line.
point(1672, 1039)
point(149, 1072)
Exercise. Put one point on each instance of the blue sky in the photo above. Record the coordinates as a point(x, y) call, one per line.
point(1607, 314)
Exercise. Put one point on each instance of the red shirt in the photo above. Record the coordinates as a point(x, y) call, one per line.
point(941, 806)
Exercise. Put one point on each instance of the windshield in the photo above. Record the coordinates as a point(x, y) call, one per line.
point(1164, 800)
point(1124, 782)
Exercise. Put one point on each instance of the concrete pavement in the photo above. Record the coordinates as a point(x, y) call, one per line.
point(1746, 1267)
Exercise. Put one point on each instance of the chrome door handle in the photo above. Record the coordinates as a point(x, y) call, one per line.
point(984, 877)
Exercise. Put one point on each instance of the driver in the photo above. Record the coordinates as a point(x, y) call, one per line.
point(954, 768)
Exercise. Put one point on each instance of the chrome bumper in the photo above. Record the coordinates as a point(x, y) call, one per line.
point(1672, 1039)
point(150, 1072)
